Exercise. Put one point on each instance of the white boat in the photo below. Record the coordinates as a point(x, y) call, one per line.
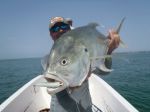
point(31, 98)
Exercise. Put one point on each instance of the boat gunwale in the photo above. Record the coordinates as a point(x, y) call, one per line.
point(115, 94)
point(11, 98)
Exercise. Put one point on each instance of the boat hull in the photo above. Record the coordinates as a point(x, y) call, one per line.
point(31, 98)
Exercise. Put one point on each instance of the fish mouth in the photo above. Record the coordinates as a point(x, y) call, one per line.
point(52, 79)
point(54, 83)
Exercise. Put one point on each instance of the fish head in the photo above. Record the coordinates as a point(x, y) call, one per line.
point(68, 63)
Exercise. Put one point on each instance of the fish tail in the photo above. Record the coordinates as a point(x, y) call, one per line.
point(105, 69)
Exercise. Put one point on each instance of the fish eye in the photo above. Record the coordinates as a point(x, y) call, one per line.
point(64, 61)
point(85, 50)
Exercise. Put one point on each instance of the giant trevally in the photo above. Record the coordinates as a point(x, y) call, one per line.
point(73, 54)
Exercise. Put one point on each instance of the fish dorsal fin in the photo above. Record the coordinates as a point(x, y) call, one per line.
point(93, 24)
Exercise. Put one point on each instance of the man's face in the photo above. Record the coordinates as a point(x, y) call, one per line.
point(58, 29)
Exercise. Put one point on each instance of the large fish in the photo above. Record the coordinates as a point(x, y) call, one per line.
point(72, 55)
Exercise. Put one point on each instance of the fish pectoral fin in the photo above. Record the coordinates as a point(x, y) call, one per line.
point(44, 62)
point(104, 68)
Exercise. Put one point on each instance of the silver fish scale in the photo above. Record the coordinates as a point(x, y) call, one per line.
point(88, 36)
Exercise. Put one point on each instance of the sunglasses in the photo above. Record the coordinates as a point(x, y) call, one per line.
point(56, 28)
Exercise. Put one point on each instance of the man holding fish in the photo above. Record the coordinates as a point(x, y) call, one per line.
point(75, 54)
point(60, 25)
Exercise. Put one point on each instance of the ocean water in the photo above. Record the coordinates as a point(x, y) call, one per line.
point(131, 77)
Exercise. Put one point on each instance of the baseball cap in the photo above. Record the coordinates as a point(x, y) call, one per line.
point(55, 20)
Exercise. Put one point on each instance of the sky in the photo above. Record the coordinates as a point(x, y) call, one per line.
point(24, 23)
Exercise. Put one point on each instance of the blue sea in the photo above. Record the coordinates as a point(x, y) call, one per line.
point(131, 76)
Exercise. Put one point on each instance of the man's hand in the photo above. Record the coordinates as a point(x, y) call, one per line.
point(114, 40)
